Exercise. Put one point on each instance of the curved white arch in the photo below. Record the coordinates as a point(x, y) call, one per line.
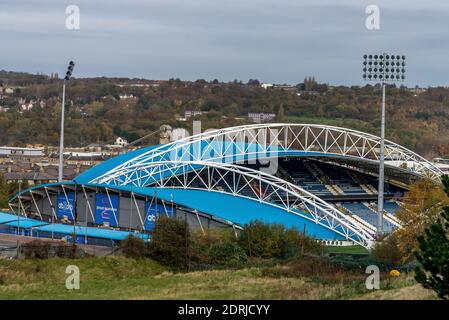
point(268, 140)
point(256, 185)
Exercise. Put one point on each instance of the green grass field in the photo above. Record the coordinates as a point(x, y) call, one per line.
point(345, 249)
point(122, 278)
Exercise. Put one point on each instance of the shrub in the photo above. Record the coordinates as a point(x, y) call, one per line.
point(170, 241)
point(227, 253)
point(317, 269)
point(133, 247)
point(37, 249)
point(200, 246)
point(275, 241)
point(387, 251)
point(65, 250)
point(297, 244)
point(205, 248)
point(261, 240)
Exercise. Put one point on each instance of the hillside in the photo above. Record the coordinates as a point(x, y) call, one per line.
point(100, 109)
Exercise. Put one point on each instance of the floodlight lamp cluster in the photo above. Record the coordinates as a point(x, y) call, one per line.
point(69, 70)
point(383, 67)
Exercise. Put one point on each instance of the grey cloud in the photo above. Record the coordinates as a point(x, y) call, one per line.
point(272, 40)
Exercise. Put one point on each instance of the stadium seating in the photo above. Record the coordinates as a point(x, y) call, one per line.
point(311, 175)
point(321, 178)
point(391, 207)
point(342, 179)
point(362, 211)
point(368, 215)
point(302, 176)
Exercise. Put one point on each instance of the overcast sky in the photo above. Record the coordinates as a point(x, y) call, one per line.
point(279, 41)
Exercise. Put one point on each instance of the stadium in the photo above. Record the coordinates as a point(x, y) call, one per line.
point(319, 179)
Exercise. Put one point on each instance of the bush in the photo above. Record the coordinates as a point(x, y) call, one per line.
point(261, 240)
point(40, 249)
point(133, 247)
point(316, 269)
point(36, 249)
point(170, 242)
point(275, 241)
point(297, 244)
point(200, 246)
point(65, 250)
point(387, 250)
point(227, 253)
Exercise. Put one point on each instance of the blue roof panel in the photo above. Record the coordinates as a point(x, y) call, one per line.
point(25, 223)
point(107, 165)
point(6, 217)
point(90, 231)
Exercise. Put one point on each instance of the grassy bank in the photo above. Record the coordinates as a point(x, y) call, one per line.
point(122, 278)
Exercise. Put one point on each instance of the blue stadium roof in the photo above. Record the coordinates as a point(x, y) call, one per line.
point(27, 223)
point(107, 165)
point(90, 232)
point(6, 217)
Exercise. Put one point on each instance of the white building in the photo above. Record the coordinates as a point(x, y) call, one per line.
point(8, 90)
point(192, 113)
point(27, 106)
point(261, 117)
point(16, 151)
point(266, 85)
point(127, 96)
point(121, 141)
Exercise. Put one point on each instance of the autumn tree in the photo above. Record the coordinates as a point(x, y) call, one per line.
point(421, 206)
point(433, 254)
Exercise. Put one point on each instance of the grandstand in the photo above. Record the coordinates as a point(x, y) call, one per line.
point(319, 179)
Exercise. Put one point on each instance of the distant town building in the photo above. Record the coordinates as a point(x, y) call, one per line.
point(121, 141)
point(266, 85)
point(442, 164)
point(286, 87)
point(27, 106)
point(192, 113)
point(32, 178)
point(417, 90)
point(261, 117)
point(8, 90)
point(127, 96)
point(21, 152)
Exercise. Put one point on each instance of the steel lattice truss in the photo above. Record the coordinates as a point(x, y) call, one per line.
point(262, 141)
point(261, 187)
point(209, 161)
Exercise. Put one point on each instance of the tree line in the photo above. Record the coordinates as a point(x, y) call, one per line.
point(97, 114)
